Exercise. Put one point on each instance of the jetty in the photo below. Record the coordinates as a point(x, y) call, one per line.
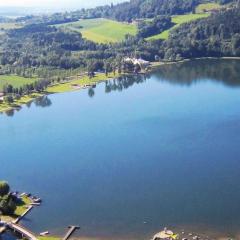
point(23, 215)
point(25, 233)
point(71, 230)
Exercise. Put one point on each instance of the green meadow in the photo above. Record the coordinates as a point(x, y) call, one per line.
point(81, 82)
point(14, 80)
point(207, 7)
point(8, 26)
point(178, 20)
point(102, 30)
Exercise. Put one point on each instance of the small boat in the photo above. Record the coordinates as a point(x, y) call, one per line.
point(44, 233)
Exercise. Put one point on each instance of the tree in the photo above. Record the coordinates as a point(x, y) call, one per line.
point(4, 188)
point(9, 99)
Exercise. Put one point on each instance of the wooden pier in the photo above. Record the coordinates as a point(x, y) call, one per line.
point(25, 233)
point(23, 215)
point(71, 230)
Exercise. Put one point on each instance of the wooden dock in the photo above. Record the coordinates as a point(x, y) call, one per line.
point(23, 215)
point(71, 230)
point(25, 233)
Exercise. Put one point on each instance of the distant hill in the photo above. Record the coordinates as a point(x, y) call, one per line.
point(215, 36)
point(135, 9)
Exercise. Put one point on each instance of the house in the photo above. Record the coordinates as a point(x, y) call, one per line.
point(137, 61)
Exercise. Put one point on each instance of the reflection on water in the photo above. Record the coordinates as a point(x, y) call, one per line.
point(124, 82)
point(8, 236)
point(132, 162)
point(38, 102)
point(187, 73)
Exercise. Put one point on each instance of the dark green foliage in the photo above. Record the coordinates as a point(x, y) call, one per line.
point(39, 45)
point(156, 26)
point(7, 204)
point(7, 201)
point(4, 188)
point(216, 36)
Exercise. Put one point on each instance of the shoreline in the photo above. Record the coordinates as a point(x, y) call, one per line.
point(162, 63)
point(85, 82)
point(183, 232)
point(67, 86)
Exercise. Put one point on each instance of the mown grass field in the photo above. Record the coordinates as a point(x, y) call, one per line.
point(102, 30)
point(8, 26)
point(201, 8)
point(14, 80)
point(178, 20)
point(68, 86)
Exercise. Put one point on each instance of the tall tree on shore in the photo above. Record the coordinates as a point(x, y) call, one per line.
point(4, 188)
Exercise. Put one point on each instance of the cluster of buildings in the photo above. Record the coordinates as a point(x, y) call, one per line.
point(137, 63)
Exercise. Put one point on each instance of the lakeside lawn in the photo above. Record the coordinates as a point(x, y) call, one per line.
point(69, 86)
point(178, 20)
point(4, 107)
point(21, 208)
point(72, 85)
point(48, 238)
point(101, 30)
point(15, 81)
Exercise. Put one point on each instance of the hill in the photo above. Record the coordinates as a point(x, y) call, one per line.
point(215, 36)
point(136, 9)
point(101, 30)
point(177, 20)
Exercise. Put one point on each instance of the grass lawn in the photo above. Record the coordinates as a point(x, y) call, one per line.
point(178, 20)
point(206, 7)
point(48, 238)
point(101, 30)
point(58, 88)
point(17, 103)
point(68, 86)
point(14, 80)
point(21, 208)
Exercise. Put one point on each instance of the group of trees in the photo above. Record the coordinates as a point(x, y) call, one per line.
point(155, 26)
point(45, 50)
point(216, 36)
point(12, 93)
point(135, 9)
point(7, 201)
point(40, 45)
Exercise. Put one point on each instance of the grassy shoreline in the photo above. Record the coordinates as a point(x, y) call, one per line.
point(67, 86)
point(79, 83)
point(21, 208)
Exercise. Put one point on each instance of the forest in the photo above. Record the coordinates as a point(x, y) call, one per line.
point(39, 47)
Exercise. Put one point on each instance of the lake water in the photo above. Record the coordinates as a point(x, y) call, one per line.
point(129, 157)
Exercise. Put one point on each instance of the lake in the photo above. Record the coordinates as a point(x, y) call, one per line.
point(131, 156)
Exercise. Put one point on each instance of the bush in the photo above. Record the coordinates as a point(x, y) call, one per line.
point(4, 188)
